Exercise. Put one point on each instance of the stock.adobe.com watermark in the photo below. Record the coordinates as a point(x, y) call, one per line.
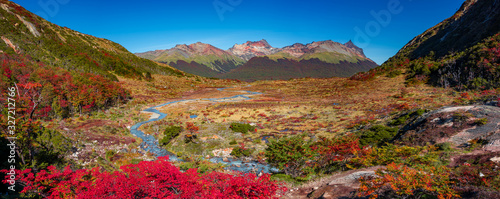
point(381, 20)
point(11, 131)
point(223, 6)
point(50, 8)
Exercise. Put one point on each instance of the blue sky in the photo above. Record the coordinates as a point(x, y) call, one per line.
point(149, 25)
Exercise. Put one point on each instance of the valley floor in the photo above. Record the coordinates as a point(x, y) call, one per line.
point(314, 107)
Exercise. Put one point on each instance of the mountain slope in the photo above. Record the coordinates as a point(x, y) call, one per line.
point(473, 22)
point(244, 61)
point(305, 51)
point(317, 59)
point(205, 54)
point(462, 51)
point(194, 68)
point(22, 32)
point(264, 68)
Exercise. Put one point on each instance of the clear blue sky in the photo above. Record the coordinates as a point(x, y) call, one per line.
point(149, 25)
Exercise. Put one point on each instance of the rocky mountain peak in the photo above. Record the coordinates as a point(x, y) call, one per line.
point(199, 45)
point(350, 44)
point(197, 48)
point(349, 49)
point(252, 49)
point(358, 50)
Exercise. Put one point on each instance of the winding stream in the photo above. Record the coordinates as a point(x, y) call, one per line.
point(150, 143)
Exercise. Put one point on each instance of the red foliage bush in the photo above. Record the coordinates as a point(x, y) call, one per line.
point(335, 151)
point(363, 76)
point(57, 91)
point(157, 179)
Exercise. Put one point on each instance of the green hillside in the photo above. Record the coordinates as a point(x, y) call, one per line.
point(25, 33)
point(213, 62)
point(461, 52)
point(332, 57)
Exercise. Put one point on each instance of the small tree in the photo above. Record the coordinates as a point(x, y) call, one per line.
point(291, 154)
point(333, 154)
point(399, 181)
point(192, 132)
point(240, 151)
point(377, 135)
point(170, 133)
point(148, 76)
point(242, 128)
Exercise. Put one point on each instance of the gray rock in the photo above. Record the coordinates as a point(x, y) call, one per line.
point(428, 125)
point(352, 178)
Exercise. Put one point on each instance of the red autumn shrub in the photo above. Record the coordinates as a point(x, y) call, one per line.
point(157, 179)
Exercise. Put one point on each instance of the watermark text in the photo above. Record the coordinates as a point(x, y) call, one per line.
point(223, 6)
point(381, 20)
point(11, 129)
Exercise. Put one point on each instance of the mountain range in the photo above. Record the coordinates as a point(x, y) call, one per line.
point(259, 60)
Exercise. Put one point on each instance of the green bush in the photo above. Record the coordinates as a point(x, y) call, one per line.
point(419, 112)
point(202, 166)
point(445, 146)
point(403, 119)
point(287, 178)
point(148, 76)
point(233, 142)
point(290, 155)
point(407, 155)
point(187, 165)
point(135, 161)
point(377, 135)
point(240, 152)
point(50, 148)
point(479, 83)
point(394, 73)
point(481, 122)
point(400, 120)
point(461, 116)
point(242, 128)
point(170, 133)
point(110, 154)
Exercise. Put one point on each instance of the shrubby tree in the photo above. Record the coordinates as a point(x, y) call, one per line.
point(290, 154)
point(170, 133)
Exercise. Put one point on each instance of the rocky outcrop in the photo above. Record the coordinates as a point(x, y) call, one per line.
point(456, 125)
point(356, 49)
point(30, 26)
point(10, 44)
point(299, 50)
point(341, 185)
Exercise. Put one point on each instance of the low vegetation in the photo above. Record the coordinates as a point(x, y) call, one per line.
point(169, 134)
point(242, 128)
point(77, 97)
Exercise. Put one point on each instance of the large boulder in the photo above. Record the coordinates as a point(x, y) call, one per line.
point(458, 125)
point(341, 185)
